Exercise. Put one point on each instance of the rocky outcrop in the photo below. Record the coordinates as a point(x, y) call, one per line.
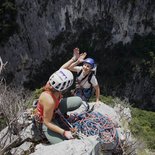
point(84, 146)
point(25, 141)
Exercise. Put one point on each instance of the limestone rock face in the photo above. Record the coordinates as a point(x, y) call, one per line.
point(49, 30)
point(43, 23)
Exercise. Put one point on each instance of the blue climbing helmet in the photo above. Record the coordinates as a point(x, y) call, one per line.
point(90, 61)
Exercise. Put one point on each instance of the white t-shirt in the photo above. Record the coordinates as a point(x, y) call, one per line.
point(84, 83)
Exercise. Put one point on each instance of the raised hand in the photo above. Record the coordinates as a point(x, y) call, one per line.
point(76, 54)
point(82, 57)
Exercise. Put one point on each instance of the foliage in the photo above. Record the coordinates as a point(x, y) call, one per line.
point(12, 103)
point(37, 92)
point(109, 100)
point(143, 126)
point(143, 52)
point(35, 95)
point(8, 23)
point(2, 122)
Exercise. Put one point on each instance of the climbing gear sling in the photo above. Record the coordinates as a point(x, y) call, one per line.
point(84, 93)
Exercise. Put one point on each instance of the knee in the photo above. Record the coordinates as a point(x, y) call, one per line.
point(78, 101)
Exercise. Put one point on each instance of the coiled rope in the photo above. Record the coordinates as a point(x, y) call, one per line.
point(94, 123)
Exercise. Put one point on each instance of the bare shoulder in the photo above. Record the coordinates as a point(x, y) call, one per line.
point(46, 99)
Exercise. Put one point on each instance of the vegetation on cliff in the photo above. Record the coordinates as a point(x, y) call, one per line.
point(8, 23)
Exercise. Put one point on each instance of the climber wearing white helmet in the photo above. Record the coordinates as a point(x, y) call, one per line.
point(61, 79)
point(51, 101)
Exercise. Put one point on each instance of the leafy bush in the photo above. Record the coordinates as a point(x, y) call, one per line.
point(143, 126)
point(2, 122)
point(35, 95)
point(109, 100)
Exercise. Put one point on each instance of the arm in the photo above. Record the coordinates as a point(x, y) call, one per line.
point(48, 106)
point(73, 65)
point(97, 92)
point(73, 59)
point(79, 60)
point(67, 64)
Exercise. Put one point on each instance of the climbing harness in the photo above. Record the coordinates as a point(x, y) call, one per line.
point(88, 75)
point(84, 93)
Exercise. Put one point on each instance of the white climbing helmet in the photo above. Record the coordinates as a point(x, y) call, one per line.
point(61, 79)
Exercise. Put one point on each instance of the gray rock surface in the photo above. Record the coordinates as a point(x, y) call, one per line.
point(85, 146)
point(26, 140)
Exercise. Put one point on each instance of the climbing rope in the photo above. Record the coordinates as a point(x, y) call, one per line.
point(94, 123)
